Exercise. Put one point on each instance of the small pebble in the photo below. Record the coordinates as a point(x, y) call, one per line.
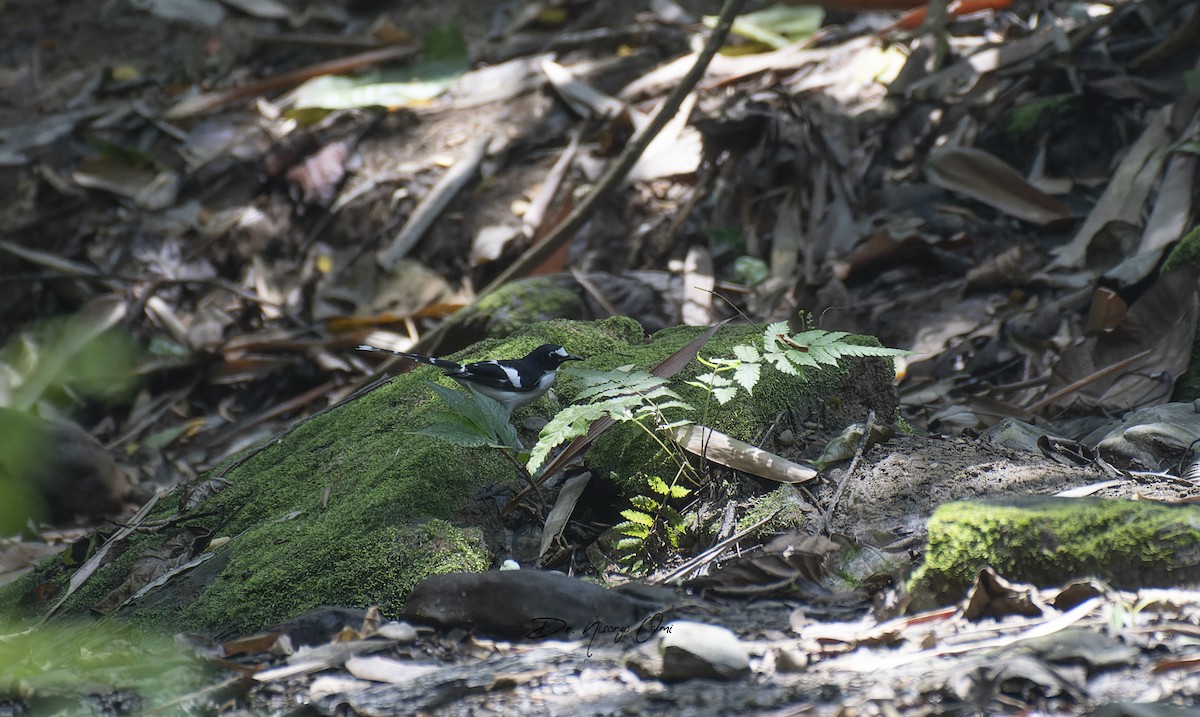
point(534, 423)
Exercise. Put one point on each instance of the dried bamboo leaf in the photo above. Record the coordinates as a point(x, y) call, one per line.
point(739, 455)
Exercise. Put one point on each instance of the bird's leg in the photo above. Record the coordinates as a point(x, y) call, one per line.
point(528, 479)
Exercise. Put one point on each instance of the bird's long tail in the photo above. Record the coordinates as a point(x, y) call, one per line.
point(431, 360)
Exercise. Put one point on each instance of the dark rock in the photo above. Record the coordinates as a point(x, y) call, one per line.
point(533, 604)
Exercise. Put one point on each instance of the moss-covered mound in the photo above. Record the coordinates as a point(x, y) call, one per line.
point(351, 508)
point(1047, 541)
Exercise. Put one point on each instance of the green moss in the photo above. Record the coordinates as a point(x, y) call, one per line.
point(1025, 117)
point(352, 508)
point(1186, 252)
point(327, 514)
point(1048, 540)
point(786, 509)
point(626, 449)
point(520, 304)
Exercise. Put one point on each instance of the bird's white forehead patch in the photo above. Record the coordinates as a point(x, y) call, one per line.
point(560, 351)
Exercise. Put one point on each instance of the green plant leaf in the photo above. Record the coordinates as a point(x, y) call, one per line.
point(724, 395)
point(747, 374)
point(571, 423)
point(746, 353)
point(626, 545)
point(607, 384)
point(645, 503)
point(636, 516)
point(658, 485)
point(633, 530)
point(680, 491)
point(471, 413)
point(771, 336)
point(780, 361)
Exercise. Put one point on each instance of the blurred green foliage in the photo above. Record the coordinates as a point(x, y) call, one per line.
point(76, 667)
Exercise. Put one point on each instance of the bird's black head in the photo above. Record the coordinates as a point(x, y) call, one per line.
point(551, 356)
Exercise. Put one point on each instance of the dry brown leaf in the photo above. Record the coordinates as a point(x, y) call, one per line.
point(1126, 193)
point(1161, 325)
point(730, 452)
point(778, 564)
point(319, 175)
point(984, 177)
point(434, 202)
point(564, 505)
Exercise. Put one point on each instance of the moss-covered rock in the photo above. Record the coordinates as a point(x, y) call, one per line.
point(513, 307)
point(1046, 541)
point(828, 396)
point(352, 508)
point(784, 509)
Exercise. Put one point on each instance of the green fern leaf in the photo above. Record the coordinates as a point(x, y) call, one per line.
point(724, 395)
point(672, 516)
point(567, 425)
point(780, 361)
point(818, 337)
point(658, 485)
point(771, 336)
point(607, 384)
point(645, 503)
point(856, 351)
point(627, 545)
point(747, 374)
point(675, 404)
point(632, 529)
point(803, 358)
point(746, 353)
point(680, 491)
point(636, 516)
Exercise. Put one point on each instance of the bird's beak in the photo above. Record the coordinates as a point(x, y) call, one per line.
point(572, 357)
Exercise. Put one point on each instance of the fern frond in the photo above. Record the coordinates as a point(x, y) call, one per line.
point(633, 530)
point(658, 485)
point(626, 545)
point(637, 516)
point(645, 503)
point(680, 491)
point(607, 384)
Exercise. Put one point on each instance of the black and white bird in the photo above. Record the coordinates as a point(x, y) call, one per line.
point(510, 382)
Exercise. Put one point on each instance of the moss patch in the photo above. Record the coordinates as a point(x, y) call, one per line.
point(350, 508)
point(829, 396)
point(353, 509)
point(1046, 541)
point(784, 509)
point(517, 305)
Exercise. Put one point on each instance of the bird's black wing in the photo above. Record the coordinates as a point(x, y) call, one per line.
point(494, 374)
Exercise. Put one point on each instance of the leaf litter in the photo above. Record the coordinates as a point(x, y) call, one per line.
point(1048, 146)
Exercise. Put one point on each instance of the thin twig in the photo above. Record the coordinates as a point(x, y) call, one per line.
point(1083, 382)
point(715, 551)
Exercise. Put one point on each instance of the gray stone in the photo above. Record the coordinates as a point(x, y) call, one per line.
point(692, 649)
